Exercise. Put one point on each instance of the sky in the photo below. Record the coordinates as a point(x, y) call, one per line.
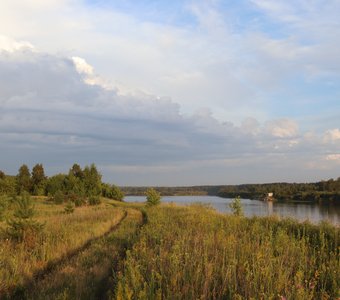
point(172, 92)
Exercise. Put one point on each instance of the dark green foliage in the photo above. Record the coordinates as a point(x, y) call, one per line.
point(112, 192)
point(38, 180)
point(23, 180)
point(78, 200)
point(324, 191)
point(59, 197)
point(152, 197)
point(92, 181)
point(69, 208)
point(94, 200)
point(22, 226)
point(4, 203)
point(77, 171)
point(56, 183)
point(7, 184)
point(74, 185)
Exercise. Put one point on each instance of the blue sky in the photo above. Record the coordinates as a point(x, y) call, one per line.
point(172, 92)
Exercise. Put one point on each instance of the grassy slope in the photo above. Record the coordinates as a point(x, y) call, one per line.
point(62, 235)
point(181, 253)
point(194, 253)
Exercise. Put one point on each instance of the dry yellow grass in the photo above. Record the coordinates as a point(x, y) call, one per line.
point(62, 234)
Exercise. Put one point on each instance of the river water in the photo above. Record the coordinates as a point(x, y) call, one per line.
point(300, 211)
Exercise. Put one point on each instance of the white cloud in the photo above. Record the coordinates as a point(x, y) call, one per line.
point(332, 135)
point(282, 128)
point(333, 157)
point(10, 45)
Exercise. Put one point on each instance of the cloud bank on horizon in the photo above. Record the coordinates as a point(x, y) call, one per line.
point(188, 92)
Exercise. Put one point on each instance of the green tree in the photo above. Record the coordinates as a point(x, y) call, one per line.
point(22, 226)
point(112, 192)
point(236, 206)
point(38, 180)
point(152, 197)
point(92, 181)
point(56, 183)
point(77, 171)
point(23, 180)
point(7, 185)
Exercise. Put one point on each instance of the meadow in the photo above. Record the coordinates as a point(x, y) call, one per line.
point(116, 250)
point(196, 253)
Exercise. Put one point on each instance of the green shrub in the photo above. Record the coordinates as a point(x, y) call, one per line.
point(236, 207)
point(69, 208)
point(59, 197)
point(22, 226)
point(4, 202)
point(94, 200)
point(152, 197)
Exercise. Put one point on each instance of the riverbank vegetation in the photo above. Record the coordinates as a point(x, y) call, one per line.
point(327, 191)
point(118, 250)
point(196, 253)
point(61, 239)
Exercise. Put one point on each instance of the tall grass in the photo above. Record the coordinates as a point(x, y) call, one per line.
point(196, 253)
point(62, 233)
point(86, 276)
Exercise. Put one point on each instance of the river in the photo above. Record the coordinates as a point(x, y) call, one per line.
point(300, 211)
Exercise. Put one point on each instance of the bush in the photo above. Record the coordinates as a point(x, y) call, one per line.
point(152, 197)
point(236, 207)
point(59, 197)
point(4, 202)
point(76, 199)
point(94, 200)
point(69, 208)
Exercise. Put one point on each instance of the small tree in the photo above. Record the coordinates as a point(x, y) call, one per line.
point(236, 206)
point(22, 226)
point(152, 197)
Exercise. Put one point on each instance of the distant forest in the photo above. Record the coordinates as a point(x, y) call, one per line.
point(321, 192)
point(80, 185)
point(86, 183)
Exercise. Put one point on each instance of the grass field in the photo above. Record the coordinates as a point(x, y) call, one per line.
point(196, 253)
point(125, 251)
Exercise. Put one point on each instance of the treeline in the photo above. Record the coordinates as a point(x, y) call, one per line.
point(80, 185)
point(322, 192)
point(174, 191)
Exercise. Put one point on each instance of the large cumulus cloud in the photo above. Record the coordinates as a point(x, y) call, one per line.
point(56, 110)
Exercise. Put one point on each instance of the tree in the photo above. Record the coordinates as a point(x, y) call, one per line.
point(56, 183)
point(22, 226)
point(38, 180)
point(92, 181)
point(112, 192)
point(152, 197)
point(236, 206)
point(23, 180)
point(7, 185)
point(77, 171)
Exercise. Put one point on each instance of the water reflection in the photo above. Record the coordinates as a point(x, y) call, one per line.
point(301, 211)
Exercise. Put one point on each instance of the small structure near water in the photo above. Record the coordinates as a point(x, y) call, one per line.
point(269, 197)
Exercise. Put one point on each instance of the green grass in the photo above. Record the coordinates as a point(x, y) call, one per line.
point(125, 251)
point(196, 253)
